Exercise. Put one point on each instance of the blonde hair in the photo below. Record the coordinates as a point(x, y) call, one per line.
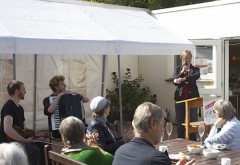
point(186, 52)
point(12, 154)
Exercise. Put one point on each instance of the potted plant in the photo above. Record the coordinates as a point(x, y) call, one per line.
point(134, 93)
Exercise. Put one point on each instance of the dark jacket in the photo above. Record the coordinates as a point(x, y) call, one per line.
point(140, 152)
point(106, 139)
point(194, 74)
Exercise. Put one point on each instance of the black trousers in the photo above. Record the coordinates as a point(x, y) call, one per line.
point(180, 116)
point(35, 153)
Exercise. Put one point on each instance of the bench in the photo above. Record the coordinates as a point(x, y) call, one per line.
point(54, 158)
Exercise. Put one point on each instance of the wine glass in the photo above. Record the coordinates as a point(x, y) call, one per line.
point(162, 136)
point(201, 131)
point(169, 130)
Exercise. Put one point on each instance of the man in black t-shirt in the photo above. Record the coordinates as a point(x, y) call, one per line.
point(12, 122)
point(51, 103)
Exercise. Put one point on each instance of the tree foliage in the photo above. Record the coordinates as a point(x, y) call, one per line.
point(134, 93)
point(151, 4)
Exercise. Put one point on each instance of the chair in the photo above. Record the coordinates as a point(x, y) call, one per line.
point(192, 126)
point(51, 137)
point(54, 158)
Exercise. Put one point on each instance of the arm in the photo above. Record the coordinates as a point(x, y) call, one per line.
point(177, 76)
point(194, 76)
point(112, 147)
point(53, 105)
point(12, 133)
point(224, 136)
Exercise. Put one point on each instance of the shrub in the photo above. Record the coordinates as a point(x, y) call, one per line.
point(134, 93)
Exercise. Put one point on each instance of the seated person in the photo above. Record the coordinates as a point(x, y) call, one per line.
point(51, 102)
point(13, 124)
point(229, 124)
point(73, 134)
point(99, 124)
point(148, 123)
point(12, 154)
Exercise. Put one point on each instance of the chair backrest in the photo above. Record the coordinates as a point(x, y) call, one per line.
point(54, 158)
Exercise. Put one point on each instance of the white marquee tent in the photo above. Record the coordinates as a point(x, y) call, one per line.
point(29, 27)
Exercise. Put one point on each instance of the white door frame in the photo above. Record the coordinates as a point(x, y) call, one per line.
point(217, 59)
point(226, 69)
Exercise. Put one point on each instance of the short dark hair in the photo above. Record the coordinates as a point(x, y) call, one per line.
point(13, 85)
point(55, 82)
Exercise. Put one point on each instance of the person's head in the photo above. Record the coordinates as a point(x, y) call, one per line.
point(224, 109)
point(186, 57)
point(16, 88)
point(57, 83)
point(149, 119)
point(12, 154)
point(72, 130)
point(100, 106)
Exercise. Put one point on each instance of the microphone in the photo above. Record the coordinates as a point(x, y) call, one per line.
point(185, 67)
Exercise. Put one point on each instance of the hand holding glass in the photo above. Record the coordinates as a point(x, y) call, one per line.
point(169, 130)
point(201, 130)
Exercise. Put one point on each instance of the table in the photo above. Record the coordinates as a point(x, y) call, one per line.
point(180, 145)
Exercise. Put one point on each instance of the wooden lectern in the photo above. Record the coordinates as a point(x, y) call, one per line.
point(190, 103)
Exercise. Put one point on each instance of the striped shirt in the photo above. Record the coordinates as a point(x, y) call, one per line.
point(229, 134)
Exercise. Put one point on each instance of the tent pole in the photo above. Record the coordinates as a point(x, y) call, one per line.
point(14, 66)
point(35, 92)
point(103, 75)
point(120, 95)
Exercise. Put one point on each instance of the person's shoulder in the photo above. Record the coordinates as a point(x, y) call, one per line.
point(46, 99)
point(160, 157)
point(89, 151)
point(233, 123)
point(194, 67)
point(124, 149)
point(9, 105)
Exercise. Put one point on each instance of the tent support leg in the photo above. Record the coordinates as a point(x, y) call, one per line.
point(14, 66)
point(120, 95)
point(103, 74)
point(35, 92)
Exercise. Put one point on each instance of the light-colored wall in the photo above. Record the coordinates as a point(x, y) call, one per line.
point(155, 70)
point(125, 62)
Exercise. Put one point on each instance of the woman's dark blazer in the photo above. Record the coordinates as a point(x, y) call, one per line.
point(194, 74)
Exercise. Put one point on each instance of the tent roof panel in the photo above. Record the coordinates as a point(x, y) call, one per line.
point(43, 27)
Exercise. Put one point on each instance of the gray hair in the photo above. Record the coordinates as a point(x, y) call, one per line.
point(12, 154)
point(225, 109)
point(72, 130)
point(144, 113)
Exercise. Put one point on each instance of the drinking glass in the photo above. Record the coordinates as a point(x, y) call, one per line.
point(201, 131)
point(169, 130)
point(162, 136)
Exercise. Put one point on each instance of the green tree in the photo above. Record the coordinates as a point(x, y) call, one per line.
point(150, 4)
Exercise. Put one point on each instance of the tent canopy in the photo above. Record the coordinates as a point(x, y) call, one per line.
point(43, 27)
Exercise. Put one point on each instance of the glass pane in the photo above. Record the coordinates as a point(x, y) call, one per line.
point(204, 59)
